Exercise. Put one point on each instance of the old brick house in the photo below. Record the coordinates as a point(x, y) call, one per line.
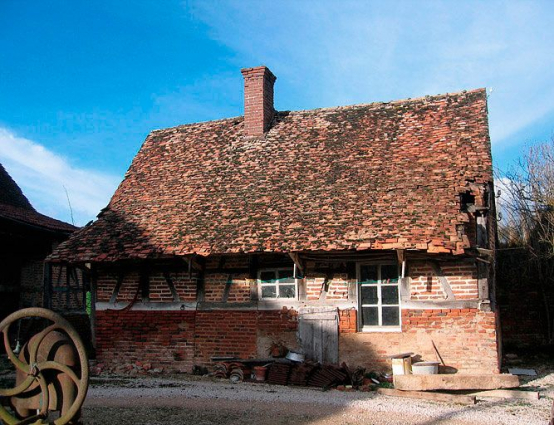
point(26, 238)
point(348, 233)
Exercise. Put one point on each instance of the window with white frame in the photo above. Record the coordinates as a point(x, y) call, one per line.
point(379, 296)
point(277, 283)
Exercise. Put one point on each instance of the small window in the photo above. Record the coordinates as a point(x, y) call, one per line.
point(277, 283)
point(379, 296)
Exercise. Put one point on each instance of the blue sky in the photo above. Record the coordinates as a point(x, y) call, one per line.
point(83, 82)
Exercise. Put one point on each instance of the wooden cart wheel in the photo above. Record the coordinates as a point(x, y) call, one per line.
point(35, 367)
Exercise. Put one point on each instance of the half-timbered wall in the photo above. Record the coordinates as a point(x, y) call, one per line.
point(188, 316)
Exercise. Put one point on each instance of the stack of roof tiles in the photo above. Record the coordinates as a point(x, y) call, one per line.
point(374, 176)
point(278, 374)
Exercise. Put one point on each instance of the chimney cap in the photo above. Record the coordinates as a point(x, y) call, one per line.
point(262, 69)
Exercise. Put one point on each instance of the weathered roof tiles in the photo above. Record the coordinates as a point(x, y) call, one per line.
point(14, 206)
point(375, 176)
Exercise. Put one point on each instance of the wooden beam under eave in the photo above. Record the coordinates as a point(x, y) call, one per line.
point(296, 259)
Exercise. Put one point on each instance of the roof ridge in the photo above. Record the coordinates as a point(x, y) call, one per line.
point(157, 130)
point(407, 100)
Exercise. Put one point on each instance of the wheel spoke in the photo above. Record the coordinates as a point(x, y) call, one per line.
point(35, 342)
point(22, 366)
point(60, 367)
point(19, 389)
point(45, 395)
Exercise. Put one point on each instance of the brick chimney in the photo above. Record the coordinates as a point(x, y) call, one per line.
point(258, 100)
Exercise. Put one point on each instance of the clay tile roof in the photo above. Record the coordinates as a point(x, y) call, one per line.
point(14, 206)
point(373, 176)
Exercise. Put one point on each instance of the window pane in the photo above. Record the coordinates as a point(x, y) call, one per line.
point(286, 276)
point(389, 273)
point(389, 294)
point(391, 316)
point(369, 294)
point(370, 316)
point(368, 274)
point(286, 291)
point(267, 277)
point(269, 292)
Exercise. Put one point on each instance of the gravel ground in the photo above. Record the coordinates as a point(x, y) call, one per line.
point(202, 401)
point(187, 399)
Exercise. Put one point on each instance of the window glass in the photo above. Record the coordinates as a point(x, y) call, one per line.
point(287, 291)
point(389, 294)
point(368, 274)
point(269, 291)
point(370, 316)
point(277, 283)
point(389, 273)
point(369, 295)
point(391, 316)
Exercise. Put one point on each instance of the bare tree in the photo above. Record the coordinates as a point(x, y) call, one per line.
point(527, 206)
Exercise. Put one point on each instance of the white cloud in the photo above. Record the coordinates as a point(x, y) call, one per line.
point(42, 175)
point(345, 52)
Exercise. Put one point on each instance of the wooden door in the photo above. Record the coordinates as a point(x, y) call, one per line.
point(318, 331)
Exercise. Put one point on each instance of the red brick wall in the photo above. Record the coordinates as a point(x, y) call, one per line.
point(461, 276)
point(465, 338)
point(338, 287)
point(162, 338)
point(348, 321)
point(225, 333)
point(177, 340)
point(159, 289)
point(215, 288)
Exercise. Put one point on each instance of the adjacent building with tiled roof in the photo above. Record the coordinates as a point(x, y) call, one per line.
point(377, 214)
point(26, 238)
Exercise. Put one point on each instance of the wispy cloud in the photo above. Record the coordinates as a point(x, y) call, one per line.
point(44, 177)
point(351, 52)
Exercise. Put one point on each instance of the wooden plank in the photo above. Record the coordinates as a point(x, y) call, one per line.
point(93, 289)
point(482, 281)
point(455, 382)
point(306, 337)
point(227, 288)
point(508, 394)
point(171, 286)
point(115, 293)
point(443, 281)
point(446, 398)
point(201, 282)
point(331, 340)
point(424, 305)
point(405, 289)
point(144, 283)
point(352, 283)
point(47, 275)
point(296, 259)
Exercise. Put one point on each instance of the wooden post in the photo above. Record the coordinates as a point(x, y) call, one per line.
point(47, 292)
point(201, 281)
point(171, 286)
point(144, 283)
point(443, 281)
point(253, 277)
point(115, 293)
point(93, 288)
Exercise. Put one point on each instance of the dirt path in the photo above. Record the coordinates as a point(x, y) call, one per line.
point(203, 402)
